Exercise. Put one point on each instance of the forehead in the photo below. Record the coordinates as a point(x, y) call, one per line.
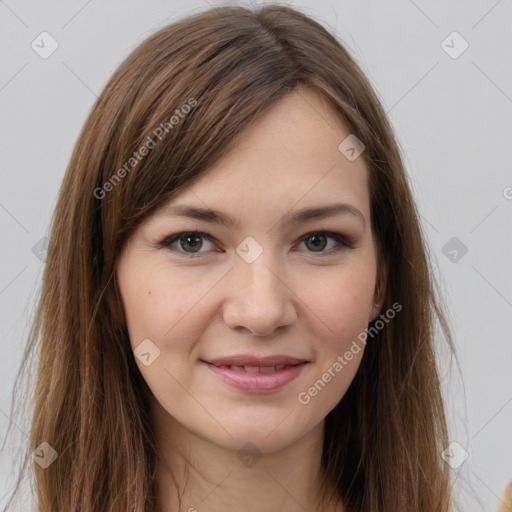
point(288, 159)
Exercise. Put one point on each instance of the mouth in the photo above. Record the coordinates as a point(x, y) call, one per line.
point(257, 374)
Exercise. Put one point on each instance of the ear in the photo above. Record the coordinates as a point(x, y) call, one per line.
point(379, 295)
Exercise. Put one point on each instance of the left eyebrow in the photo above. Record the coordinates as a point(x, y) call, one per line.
point(322, 212)
point(293, 218)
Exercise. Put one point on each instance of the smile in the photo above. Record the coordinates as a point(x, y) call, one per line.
point(257, 378)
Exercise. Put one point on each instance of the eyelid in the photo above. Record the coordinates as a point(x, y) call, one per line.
point(343, 242)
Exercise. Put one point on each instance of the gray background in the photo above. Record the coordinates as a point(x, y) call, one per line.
point(453, 120)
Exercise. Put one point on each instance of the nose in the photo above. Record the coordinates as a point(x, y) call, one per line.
point(259, 298)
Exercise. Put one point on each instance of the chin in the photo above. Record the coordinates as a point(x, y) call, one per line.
point(267, 435)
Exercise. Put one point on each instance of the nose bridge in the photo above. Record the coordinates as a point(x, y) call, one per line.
point(254, 264)
point(258, 278)
point(258, 299)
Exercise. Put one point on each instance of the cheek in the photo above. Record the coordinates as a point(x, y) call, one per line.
point(160, 309)
point(141, 304)
point(339, 308)
point(168, 307)
point(342, 301)
point(152, 302)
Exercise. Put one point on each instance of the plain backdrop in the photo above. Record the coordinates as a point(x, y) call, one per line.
point(449, 99)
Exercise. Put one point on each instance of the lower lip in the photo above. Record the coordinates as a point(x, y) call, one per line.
point(257, 382)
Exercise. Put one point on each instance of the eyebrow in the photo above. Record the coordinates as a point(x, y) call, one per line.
point(292, 218)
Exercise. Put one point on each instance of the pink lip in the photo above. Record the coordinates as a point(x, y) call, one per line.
point(257, 382)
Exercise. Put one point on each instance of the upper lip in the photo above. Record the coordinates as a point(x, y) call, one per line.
point(248, 360)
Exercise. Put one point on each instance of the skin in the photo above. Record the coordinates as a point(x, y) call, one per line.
point(204, 301)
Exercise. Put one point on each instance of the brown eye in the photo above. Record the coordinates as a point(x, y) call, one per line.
point(317, 242)
point(190, 241)
point(186, 242)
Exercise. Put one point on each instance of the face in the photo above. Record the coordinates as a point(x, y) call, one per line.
point(233, 325)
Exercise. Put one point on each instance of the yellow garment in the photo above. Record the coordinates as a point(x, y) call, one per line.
point(506, 503)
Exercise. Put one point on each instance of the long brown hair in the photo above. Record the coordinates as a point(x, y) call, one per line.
point(229, 65)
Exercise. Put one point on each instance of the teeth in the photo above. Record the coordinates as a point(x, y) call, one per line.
point(255, 369)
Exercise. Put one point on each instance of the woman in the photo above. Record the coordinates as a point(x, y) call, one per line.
point(237, 307)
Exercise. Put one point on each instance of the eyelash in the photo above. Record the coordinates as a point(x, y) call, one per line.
point(343, 243)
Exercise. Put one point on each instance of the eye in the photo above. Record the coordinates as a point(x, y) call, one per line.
point(319, 241)
point(185, 240)
point(189, 242)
